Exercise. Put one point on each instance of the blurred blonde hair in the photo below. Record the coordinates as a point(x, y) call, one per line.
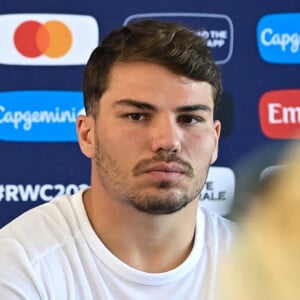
point(265, 261)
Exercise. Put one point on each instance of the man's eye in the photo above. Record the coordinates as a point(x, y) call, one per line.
point(136, 116)
point(189, 119)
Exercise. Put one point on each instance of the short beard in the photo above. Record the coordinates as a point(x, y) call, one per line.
point(114, 181)
point(155, 205)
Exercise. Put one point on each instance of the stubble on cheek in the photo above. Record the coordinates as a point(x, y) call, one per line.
point(163, 197)
point(108, 170)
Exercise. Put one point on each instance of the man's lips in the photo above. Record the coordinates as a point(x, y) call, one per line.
point(163, 164)
point(165, 167)
point(165, 172)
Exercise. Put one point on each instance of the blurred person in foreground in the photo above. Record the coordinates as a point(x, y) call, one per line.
point(150, 90)
point(264, 262)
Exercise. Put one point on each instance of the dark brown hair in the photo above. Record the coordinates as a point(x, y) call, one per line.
point(170, 45)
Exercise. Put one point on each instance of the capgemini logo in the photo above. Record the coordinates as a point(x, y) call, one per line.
point(278, 38)
point(39, 116)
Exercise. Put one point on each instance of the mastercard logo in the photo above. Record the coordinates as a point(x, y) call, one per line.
point(53, 39)
point(47, 39)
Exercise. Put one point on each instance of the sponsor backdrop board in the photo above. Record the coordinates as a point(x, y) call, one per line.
point(44, 46)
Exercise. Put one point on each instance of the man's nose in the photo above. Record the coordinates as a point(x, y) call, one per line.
point(166, 134)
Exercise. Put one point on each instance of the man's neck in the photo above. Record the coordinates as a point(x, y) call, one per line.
point(150, 243)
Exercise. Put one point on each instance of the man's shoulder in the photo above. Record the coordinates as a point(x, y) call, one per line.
point(43, 226)
point(219, 230)
point(216, 220)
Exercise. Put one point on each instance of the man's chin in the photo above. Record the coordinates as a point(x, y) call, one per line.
point(160, 207)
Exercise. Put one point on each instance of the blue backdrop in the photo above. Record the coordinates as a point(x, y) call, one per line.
point(256, 43)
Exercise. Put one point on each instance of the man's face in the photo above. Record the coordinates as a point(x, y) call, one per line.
point(155, 138)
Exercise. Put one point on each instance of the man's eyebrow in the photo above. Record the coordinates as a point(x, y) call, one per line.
point(190, 108)
point(148, 106)
point(135, 103)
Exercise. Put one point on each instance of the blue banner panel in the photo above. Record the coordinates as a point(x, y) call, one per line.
point(278, 37)
point(39, 116)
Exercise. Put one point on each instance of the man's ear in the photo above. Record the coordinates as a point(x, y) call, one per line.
point(85, 126)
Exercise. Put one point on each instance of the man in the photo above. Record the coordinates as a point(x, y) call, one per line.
point(150, 90)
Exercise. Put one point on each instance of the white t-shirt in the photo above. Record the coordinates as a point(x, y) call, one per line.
point(52, 252)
